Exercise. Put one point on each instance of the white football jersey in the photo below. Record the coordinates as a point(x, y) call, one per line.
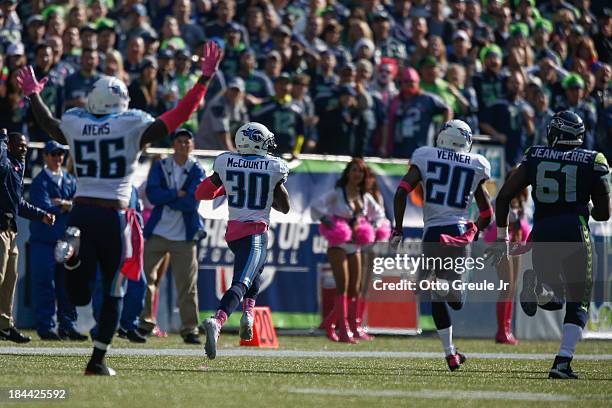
point(449, 180)
point(105, 150)
point(249, 182)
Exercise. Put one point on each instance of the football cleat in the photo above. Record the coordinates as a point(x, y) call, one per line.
point(99, 369)
point(562, 369)
point(14, 335)
point(529, 297)
point(68, 246)
point(246, 326)
point(211, 329)
point(454, 361)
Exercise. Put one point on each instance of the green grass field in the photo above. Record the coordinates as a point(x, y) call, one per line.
point(186, 381)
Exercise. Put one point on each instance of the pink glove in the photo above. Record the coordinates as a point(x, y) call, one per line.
point(210, 58)
point(27, 81)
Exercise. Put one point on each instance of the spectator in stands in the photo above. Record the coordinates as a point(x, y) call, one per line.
point(139, 22)
point(542, 114)
point(167, 87)
point(14, 106)
point(52, 190)
point(417, 45)
point(258, 86)
point(60, 69)
point(602, 98)
point(510, 120)
point(191, 32)
point(603, 39)
point(174, 227)
point(312, 33)
point(134, 55)
point(324, 78)
point(35, 34)
point(113, 66)
point(383, 85)
point(411, 116)
point(144, 91)
point(299, 93)
point(541, 37)
point(234, 45)
point(78, 84)
point(89, 36)
point(185, 80)
point(467, 103)
point(72, 47)
point(385, 43)
point(575, 101)
point(283, 117)
point(491, 83)
point(401, 20)
point(273, 65)
point(223, 115)
point(16, 57)
point(258, 32)
point(460, 54)
point(225, 11)
point(331, 37)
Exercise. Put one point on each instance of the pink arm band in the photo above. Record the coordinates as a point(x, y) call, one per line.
point(488, 213)
point(405, 186)
point(207, 190)
point(186, 106)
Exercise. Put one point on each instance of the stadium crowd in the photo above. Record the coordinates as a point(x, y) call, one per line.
point(326, 76)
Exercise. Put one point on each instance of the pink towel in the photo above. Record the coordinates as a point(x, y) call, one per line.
point(132, 266)
point(463, 239)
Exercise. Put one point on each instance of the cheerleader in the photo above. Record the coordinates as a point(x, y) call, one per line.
point(348, 216)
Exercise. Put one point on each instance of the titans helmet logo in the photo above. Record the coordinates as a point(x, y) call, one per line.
point(253, 134)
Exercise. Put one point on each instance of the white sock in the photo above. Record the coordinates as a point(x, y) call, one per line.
point(446, 336)
point(572, 334)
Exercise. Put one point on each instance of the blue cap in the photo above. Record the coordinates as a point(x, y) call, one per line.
point(53, 146)
point(182, 132)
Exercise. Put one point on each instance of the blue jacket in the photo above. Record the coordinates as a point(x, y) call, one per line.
point(160, 195)
point(11, 187)
point(42, 191)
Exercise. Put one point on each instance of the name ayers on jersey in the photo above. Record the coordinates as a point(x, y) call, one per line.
point(247, 164)
point(90, 129)
point(571, 155)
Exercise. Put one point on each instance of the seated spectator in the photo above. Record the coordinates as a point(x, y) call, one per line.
point(144, 91)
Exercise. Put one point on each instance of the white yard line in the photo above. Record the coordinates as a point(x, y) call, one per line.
point(253, 352)
point(462, 395)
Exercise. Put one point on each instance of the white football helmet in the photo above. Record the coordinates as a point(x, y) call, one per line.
point(109, 95)
point(455, 135)
point(254, 138)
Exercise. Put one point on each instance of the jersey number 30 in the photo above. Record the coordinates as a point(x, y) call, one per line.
point(100, 158)
point(253, 193)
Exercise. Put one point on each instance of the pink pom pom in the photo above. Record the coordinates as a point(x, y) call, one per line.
point(338, 233)
point(364, 232)
point(383, 232)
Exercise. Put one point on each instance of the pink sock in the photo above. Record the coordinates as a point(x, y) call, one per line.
point(221, 317)
point(248, 304)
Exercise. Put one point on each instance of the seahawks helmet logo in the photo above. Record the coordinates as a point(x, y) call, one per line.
point(253, 134)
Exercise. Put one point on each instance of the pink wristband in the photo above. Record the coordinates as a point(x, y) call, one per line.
point(405, 186)
point(488, 213)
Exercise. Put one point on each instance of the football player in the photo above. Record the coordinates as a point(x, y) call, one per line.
point(564, 179)
point(253, 181)
point(105, 140)
point(451, 177)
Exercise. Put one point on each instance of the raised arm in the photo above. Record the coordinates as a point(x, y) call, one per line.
point(172, 119)
point(31, 88)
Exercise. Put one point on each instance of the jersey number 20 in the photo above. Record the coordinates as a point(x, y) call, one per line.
point(439, 191)
point(252, 191)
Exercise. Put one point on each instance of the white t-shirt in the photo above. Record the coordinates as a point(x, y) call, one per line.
point(172, 225)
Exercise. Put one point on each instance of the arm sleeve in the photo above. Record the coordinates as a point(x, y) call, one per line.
point(157, 193)
point(600, 165)
point(27, 210)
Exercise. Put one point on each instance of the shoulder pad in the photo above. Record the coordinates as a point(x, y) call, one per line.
point(600, 164)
